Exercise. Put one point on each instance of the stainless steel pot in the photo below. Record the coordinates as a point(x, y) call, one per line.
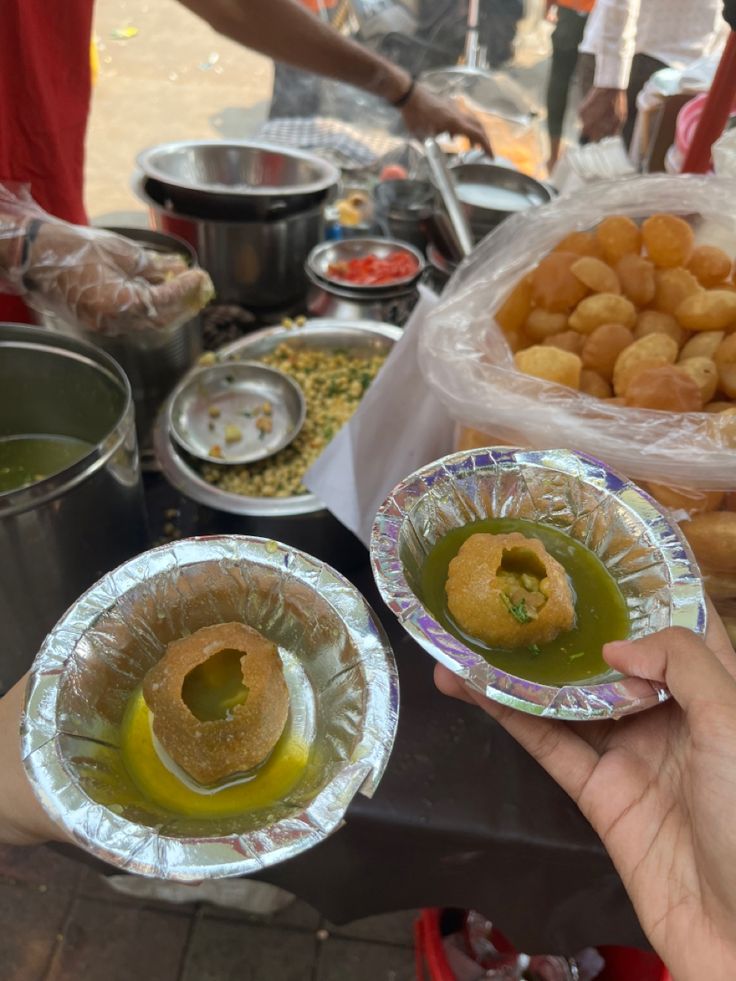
point(154, 360)
point(59, 535)
point(259, 264)
point(300, 521)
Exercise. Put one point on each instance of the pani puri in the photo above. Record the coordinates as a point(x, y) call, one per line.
point(508, 591)
point(219, 701)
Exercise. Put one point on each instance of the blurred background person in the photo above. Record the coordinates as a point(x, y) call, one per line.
point(570, 16)
point(630, 40)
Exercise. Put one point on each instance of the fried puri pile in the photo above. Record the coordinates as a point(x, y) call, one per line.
point(633, 314)
point(508, 591)
point(244, 721)
point(639, 316)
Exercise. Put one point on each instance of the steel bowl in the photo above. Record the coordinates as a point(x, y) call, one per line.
point(337, 663)
point(237, 392)
point(239, 181)
point(490, 193)
point(302, 520)
point(323, 256)
point(642, 548)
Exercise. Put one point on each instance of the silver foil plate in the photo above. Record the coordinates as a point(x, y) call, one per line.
point(333, 649)
point(641, 547)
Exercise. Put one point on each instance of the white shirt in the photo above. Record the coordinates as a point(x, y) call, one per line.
point(677, 32)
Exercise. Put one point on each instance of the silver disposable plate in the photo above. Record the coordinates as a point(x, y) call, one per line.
point(323, 256)
point(247, 410)
point(337, 663)
point(641, 547)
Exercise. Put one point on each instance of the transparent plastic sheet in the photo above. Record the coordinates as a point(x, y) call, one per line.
point(639, 545)
point(338, 665)
point(88, 276)
point(467, 361)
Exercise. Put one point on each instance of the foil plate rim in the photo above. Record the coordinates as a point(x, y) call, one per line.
point(612, 698)
point(143, 850)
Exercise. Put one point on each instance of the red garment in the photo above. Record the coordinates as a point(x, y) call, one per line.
point(45, 89)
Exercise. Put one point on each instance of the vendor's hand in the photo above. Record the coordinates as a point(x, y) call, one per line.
point(108, 283)
point(603, 113)
point(22, 819)
point(426, 114)
point(660, 790)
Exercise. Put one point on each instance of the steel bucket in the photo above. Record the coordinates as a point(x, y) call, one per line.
point(60, 534)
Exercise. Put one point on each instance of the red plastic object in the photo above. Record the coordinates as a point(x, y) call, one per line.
point(630, 964)
point(429, 952)
point(622, 963)
point(715, 112)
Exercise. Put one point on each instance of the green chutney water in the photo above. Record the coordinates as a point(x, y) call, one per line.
point(600, 609)
point(25, 460)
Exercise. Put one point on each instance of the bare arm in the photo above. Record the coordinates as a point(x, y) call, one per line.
point(22, 819)
point(612, 32)
point(287, 32)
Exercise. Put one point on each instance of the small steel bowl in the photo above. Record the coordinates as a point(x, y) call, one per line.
point(642, 548)
point(337, 663)
point(246, 395)
point(324, 255)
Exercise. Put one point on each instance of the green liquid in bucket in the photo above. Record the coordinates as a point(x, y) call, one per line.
point(25, 460)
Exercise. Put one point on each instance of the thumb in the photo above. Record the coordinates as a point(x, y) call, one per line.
point(185, 294)
point(678, 659)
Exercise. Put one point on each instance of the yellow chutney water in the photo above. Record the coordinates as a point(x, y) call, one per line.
point(600, 609)
point(161, 782)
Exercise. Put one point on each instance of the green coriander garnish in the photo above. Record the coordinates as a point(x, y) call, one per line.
point(574, 657)
point(517, 610)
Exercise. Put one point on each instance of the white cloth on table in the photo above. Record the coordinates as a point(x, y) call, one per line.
point(399, 426)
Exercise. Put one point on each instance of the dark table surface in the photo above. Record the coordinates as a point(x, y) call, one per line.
point(462, 817)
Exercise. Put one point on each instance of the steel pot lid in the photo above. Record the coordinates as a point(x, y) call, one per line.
point(237, 168)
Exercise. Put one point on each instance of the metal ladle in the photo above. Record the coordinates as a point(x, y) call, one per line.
point(462, 237)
